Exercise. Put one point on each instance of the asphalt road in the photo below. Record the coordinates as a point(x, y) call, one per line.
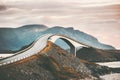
point(32, 50)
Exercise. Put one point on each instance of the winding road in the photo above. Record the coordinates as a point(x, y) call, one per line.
point(34, 48)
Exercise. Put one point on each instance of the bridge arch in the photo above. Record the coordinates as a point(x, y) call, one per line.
point(66, 40)
point(72, 47)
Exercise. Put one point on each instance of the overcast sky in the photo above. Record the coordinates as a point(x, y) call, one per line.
point(100, 18)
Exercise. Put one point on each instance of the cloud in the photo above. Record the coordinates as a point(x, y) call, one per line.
point(2, 7)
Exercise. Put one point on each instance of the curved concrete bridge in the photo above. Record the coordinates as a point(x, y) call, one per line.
point(39, 45)
point(71, 42)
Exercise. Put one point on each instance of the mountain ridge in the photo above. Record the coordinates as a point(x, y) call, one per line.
point(98, 55)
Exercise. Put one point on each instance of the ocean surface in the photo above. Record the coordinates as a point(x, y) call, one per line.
point(112, 76)
point(111, 64)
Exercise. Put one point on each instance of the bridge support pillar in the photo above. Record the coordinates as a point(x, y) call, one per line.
point(73, 50)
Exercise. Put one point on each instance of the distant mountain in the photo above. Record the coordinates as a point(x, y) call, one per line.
point(78, 36)
point(33, 26)
point(13, 39)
